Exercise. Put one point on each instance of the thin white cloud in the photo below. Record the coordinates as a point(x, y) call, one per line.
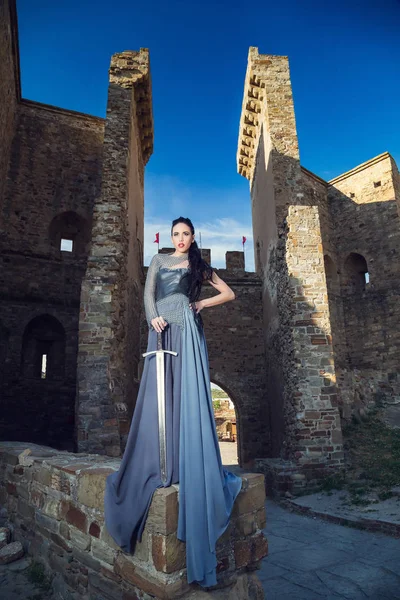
point(167, 197)
point(219, 235)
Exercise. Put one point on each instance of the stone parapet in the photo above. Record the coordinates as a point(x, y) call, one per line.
point(53, 503)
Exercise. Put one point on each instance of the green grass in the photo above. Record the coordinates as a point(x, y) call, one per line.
point(37, 575)
point(372, 456)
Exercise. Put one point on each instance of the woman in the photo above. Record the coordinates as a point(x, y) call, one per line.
point(206, 490)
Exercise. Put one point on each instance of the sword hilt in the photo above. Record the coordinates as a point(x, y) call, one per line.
point(160, 347)
point(159, 340)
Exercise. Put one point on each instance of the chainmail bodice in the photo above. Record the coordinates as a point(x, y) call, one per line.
point(167, 288)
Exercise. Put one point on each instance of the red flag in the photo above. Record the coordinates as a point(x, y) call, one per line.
point(244, 240)
point(157, 240)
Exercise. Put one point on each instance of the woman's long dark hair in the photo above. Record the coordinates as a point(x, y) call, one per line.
point(199, 269)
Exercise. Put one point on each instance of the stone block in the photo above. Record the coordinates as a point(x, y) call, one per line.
point(94, 529)
point(5, 535)
point(9, 457)
point(169, 553)
point(91, 486)
point(47, 522)
point(148, 583)
point(163, 513)
point(25, 510)
point(79, 539)
point(60, 482)
point(102, 552)
point(250, 550)
point(77, 518)
point(11, 552)
point(86, 559)
point(61, 542)
point(104, 588)
point(225, 538)
point(250, 499)
point(261, 518)
point(142, 547)
point(242, 553)
point(22, 491)
point(52, 508)
point(107, 539)
point(64, 530)
point(11, 488)
point(43, 476)
point(58, 564)
point(37, 498)
point(246, 524)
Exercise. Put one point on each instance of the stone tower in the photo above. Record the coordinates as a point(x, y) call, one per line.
point(326, 254)
point(305, 430)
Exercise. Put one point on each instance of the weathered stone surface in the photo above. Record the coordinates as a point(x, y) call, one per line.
point(246, 587)
point(11, 552)
point(77, 518)
point(5, 535)
point(94, 529)
point(91, 486)
point(102, 552)
point(163, 513)
point(147, 582)
point(79, 539)
point(107, 539)
point(105, 588)
point(169, 553)
point(142, 547)
point(47, 522)
point(251, 499)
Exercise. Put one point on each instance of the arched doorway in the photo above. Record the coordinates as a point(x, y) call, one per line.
point(227, 424)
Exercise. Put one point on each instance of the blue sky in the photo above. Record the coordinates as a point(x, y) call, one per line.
point(344, 60)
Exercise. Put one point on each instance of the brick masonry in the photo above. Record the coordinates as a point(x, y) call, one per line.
point(53, 503)
point(306, 344)
point(112, 289)
point(54, 176)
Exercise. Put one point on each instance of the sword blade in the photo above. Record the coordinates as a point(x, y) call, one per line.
point(162, 437)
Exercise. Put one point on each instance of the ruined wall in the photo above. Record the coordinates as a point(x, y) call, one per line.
point(365, 212)
point(315, 193)
point(10, 87)
point(234, 334)
point(109, 327)
point(301, 390)
point(53, 502)
point(54, 176)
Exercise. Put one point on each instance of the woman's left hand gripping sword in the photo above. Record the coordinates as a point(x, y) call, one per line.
point(162, 434)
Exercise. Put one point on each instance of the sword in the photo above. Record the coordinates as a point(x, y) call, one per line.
point(162, 436)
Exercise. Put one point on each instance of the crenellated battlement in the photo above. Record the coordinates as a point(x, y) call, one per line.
point(234, 261)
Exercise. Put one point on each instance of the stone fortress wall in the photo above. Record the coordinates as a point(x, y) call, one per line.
point(326, 253)
point(308, 341)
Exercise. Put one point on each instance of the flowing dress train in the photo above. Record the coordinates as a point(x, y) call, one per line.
point(207, 491)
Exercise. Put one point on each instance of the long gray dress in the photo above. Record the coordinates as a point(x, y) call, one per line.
point(206, 490)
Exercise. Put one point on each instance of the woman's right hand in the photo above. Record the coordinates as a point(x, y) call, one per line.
point(159, 324)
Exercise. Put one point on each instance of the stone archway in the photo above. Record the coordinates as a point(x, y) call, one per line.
point(227, 422)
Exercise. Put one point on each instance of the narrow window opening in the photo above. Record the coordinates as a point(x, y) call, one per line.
point(366, 275)
point(377, 184)
point(66, 245)
point(44, 366)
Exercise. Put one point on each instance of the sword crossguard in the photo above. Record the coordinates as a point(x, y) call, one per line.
point(160, 348)
point(161, 352)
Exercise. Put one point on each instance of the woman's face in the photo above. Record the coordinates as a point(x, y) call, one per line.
point(182, 237)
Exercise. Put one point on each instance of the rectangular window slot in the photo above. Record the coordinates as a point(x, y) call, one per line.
point(44, 366)
point(66, 245)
